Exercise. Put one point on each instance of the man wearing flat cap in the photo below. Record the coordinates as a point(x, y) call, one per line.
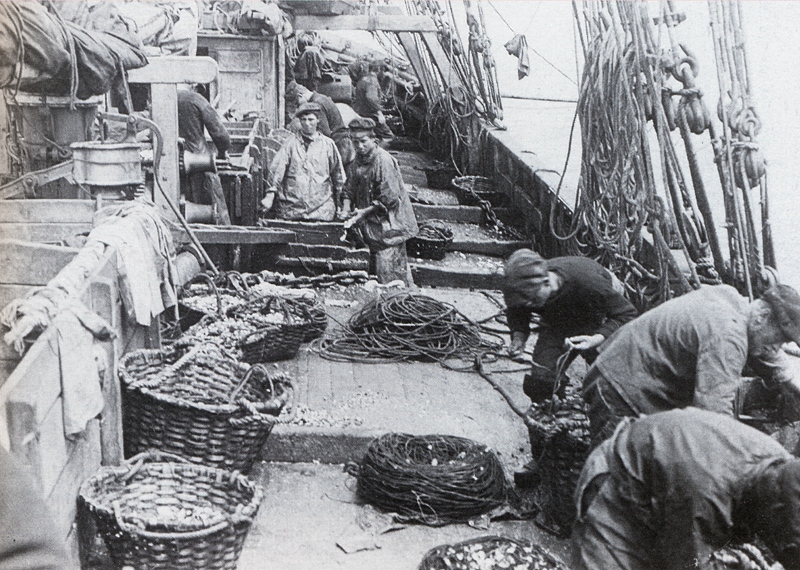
point(306, 175)
point(668, 490)
point(330, 124)
point(693, 351)
point(579, 306)
point(383, 210)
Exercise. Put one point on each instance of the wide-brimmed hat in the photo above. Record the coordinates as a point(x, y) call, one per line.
point(785, 305)
point(307, 108)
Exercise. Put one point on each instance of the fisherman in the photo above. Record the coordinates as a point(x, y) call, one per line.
point(667, 490)
point(691, 351)
point(367, 97)
point(306, 176)
point(330, 119)
point(195, 116)
point(384, 213)
point(579, 302)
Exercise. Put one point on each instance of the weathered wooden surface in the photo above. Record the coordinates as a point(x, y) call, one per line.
point(31, 417)
point(383, 22)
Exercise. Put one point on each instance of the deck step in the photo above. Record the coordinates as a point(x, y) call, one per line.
point(457, 269)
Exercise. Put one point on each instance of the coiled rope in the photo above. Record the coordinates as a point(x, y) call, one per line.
point(432, 479)
point(406, 326)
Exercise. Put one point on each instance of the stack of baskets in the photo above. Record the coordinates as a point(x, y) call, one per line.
point(159, 511)
point(472, 190)
point(431, 242)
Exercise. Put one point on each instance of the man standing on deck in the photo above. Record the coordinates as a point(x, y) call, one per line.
point(306, 176)
point(383, 209)
point(195, 116)
point(691, 351)
point(667, 490)
point(330, 119)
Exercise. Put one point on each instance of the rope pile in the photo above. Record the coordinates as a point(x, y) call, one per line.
point(405, 326)
point(744, 557)
point(432, 479)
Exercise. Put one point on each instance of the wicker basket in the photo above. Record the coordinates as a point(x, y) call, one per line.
point(160, 512)
point(473, 189)
point(204, 407)
point(491, 552)
point(560, 428)
point(276, 341)
point(431, 242)
point(440, 177)
point(312, 312)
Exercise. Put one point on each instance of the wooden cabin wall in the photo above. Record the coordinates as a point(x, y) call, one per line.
point(31, 421)
point(251, 73)
point(532, 189)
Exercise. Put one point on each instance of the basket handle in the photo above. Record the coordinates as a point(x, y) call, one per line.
point(149, 456)
point(256, 367)
point(240, 284)
point(207, 278)
point(192, 534)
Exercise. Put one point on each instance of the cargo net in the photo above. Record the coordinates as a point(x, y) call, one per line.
point(559, 431)
point(431, 479)
point(490, 552)
point(406, 326)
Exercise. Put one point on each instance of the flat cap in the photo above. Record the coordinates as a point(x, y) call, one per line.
point(785, 304)
point(307, 108)
point(361, 124)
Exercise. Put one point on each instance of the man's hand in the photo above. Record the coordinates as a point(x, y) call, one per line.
point(266, 203)
point(584, 341)
point(517, 347)
point(223, 156)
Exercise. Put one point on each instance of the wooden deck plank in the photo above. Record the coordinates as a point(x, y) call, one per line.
point(47, 211)
point(27, 263)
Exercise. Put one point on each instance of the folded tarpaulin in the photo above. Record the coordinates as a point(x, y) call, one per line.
point(46, 54)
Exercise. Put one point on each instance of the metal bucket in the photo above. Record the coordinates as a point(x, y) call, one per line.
point(107, 164)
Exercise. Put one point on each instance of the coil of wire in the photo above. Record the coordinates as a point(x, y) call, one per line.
point(432, 479)
point(405, 326)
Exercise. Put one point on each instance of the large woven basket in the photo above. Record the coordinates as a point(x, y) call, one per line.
point(431, 242)
point(474, 189)
point(491, 552)
point(209, 409)
point(312, 312)
point(279, 340)
point(160, 512)
point(559, 427)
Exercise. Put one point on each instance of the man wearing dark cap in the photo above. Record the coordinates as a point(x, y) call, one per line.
point(383, 210)
point(306, 176)
point(579, 308)
point(330, 119)
point(667, 490)
point(692, 351)
point(367, 97)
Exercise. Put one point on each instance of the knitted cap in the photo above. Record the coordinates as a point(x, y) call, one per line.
point(524, 270)
point(785, 304)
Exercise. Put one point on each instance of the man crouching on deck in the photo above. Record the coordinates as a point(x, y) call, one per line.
point(383, 210)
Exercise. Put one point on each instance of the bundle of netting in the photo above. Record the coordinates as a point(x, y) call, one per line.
point(432, 479)
point(405, 326)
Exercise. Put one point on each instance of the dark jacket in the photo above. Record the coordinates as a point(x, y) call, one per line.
point(667, 490)
point(585, 303)
point(196, 114)
point(376, 179)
